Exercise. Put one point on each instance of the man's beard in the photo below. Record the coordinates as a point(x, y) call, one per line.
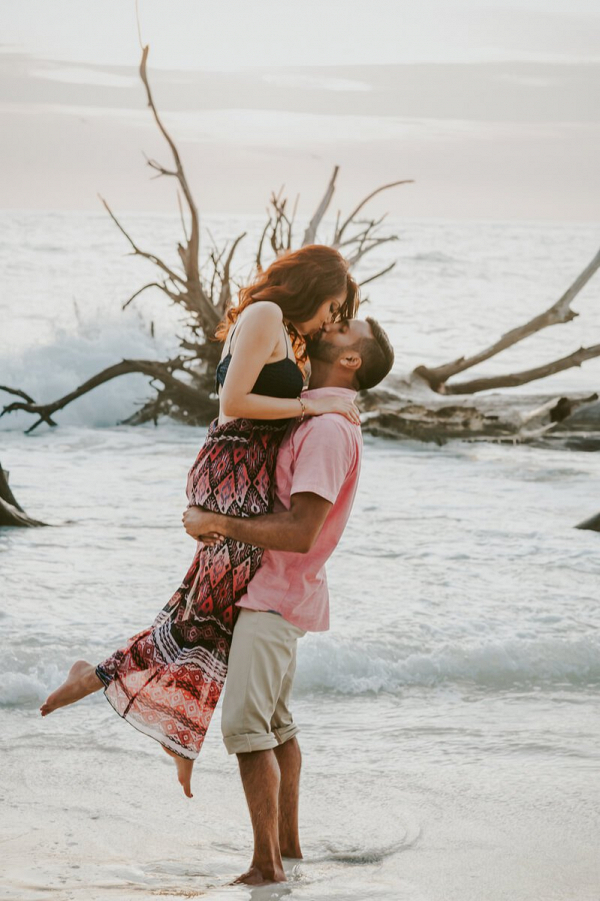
point(318, 348)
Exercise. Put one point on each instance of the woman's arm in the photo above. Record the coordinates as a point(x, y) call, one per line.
point(255, 341)
point(256, 338)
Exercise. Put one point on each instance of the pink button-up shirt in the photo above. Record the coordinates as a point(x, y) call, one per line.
point(321, 455)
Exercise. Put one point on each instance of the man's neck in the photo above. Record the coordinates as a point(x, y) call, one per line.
point(323, 375)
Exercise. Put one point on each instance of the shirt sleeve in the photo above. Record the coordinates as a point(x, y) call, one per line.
point(324, 455)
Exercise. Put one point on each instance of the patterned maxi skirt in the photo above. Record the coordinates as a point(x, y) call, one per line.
point(167, 680)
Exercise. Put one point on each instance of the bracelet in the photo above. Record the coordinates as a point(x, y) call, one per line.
point(303, 405)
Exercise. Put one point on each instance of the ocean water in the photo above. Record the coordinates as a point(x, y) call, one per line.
point(449, 718)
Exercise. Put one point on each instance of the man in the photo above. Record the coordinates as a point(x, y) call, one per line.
point(316, 479)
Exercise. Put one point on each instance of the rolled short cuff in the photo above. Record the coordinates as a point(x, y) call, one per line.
point(248, 742)
point(285, 733)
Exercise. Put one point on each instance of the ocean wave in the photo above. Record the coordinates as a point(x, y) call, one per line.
point(330, 664)
point(26, 683)
point(29, 687)
point(70, 352)
point(66, 359)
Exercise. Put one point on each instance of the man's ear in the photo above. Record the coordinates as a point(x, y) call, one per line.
point(351, 360)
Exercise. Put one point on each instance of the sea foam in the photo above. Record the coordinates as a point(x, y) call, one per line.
point(329, 664)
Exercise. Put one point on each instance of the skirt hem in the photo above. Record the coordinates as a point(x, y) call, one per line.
point(146, 729)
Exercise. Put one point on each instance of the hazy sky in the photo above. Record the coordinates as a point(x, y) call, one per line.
point(492, 108)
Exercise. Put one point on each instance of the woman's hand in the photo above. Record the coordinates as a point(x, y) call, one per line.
point(342, 405)
point(211, 539)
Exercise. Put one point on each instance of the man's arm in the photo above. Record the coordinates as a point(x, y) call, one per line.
point(295, 529)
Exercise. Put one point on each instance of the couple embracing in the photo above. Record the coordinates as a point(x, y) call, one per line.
point(268, 499)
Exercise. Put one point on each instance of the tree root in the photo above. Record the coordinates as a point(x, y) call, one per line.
point(11, 512)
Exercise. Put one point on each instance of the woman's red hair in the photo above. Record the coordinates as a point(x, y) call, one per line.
point(299, 282)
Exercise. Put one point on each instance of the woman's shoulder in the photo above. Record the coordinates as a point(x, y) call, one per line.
point(262, 312)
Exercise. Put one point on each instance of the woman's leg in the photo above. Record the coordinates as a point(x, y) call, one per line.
point(167, 680)
point(184, 771)
point(81, 681)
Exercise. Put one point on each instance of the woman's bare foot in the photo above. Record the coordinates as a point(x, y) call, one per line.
point(254, 876)
point(81, 681)
point(184, 771)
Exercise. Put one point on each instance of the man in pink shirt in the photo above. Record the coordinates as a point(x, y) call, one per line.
point(316, 479)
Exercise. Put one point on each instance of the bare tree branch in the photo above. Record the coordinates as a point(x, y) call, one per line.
point(142, 253)
point(560, 312)
point(225, 294)
point(194, 242)
point(28, 401)
point(260, 245)
point(342, 228)
point(378, 274)
point(282, 228)
point(292, 220)
point(189, 254)
point(196, 347)
point(371, 227)
point(365, 247)
point(161, 371)
point(160, 168)
point(215, 259)
point(160, 285)
point(512, 380)
point(311, 232)
point(182, 218)
point(17, 392)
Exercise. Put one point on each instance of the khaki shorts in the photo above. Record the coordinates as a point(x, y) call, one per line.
point(262, 663)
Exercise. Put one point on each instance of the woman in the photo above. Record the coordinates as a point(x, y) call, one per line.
point(167, 680)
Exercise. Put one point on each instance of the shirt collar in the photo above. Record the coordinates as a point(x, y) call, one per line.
point(330, 392)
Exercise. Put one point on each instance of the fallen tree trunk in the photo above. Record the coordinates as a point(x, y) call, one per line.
point(11, 512)
point(397, 411)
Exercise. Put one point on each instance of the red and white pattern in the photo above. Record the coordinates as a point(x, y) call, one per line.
point(167, 680)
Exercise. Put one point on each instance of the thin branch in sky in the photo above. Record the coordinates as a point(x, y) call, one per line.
point(139, 27)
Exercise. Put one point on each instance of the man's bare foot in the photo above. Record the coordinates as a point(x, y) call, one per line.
point(81, 681)
point(292, 852)
point(184, 771)
point(255, 876)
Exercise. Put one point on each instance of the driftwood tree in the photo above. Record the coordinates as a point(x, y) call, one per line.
point(184, 384)
point(417, 405)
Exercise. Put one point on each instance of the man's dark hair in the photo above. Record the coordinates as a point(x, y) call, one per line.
point(377, 357)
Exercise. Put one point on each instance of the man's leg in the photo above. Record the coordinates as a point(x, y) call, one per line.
point(261, 780)
point(262, 650)
point(289, 759)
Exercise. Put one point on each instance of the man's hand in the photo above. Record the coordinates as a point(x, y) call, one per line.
point(294, 530)
point(199, 524)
